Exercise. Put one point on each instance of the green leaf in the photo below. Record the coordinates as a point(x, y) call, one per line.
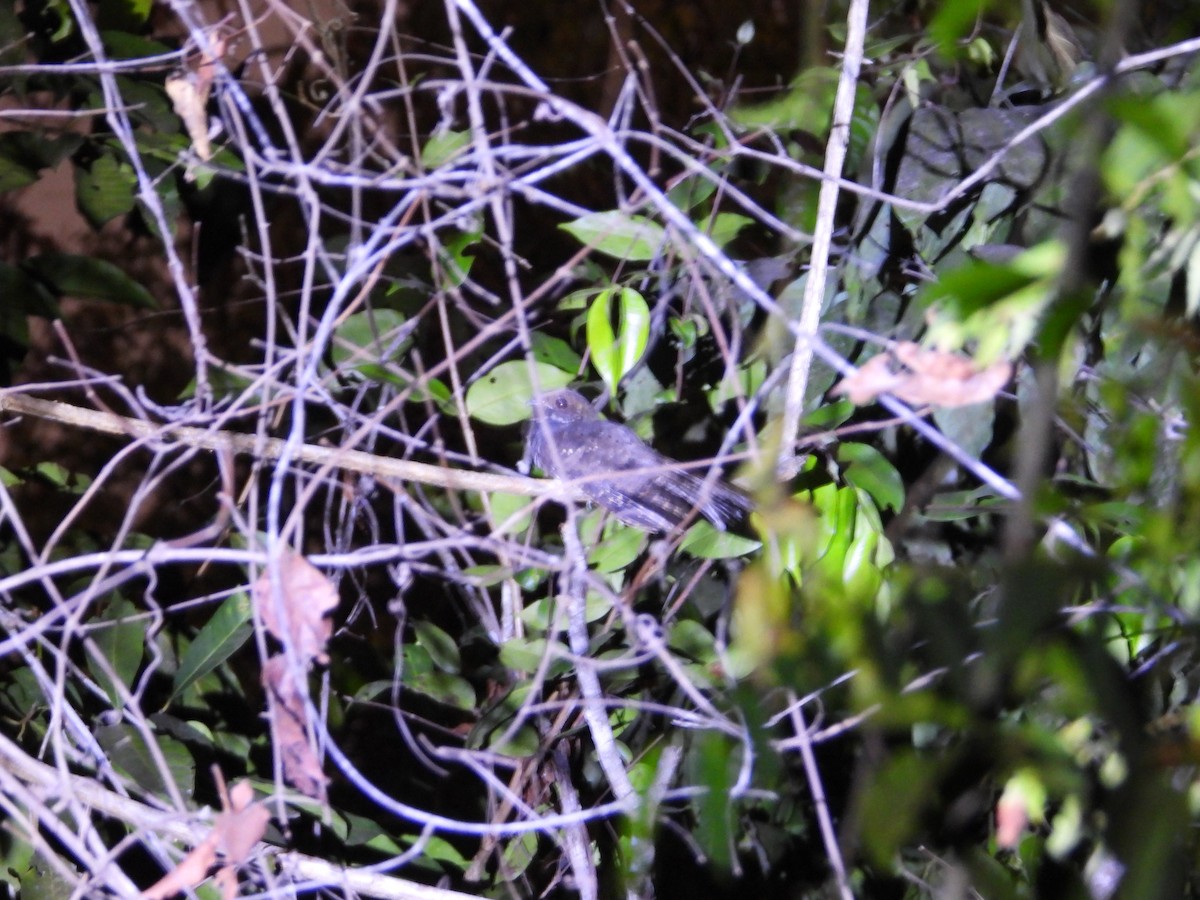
point(519, 852)
point(706, 542)
point(999, 307)
point(951, 23)
point(618, 234)
point(127, 15)
point(691, 191)
point(617, 550)
point(860, 575)
point(445, 688)
point(227, 630)
point(126, 748)
point(148, 105)
point(442, 147)
point(81, 276)
point(120, 636)
point(725, 227)
point(440, 646)
point(23, 296)
point(422, 676)
point(502, 396)
point(123, 45)
point(870, 470)
point(807, 104)
point(554, 351)
point(614, 354)
point(525, 655)
point(505, 506)
point(370, 337)
point(456, 256)
point(686, 331)
point(13, 36)
point(107, 190)
point(693, 640)
point(23, 154)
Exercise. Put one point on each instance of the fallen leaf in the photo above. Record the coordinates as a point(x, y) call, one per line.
point(192, 870)
point(189, 91)
point(305, 599)
point(192, 107)
point(237, 829)
point(923, 377)
point(288, 716)
point(241, 826)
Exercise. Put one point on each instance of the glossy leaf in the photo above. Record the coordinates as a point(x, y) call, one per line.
point(439, 645)
point(616, 352)
point(706, 542)
point(222, 636)
point(870, 470)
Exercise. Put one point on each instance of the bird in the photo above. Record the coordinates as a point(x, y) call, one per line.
point(570, 440)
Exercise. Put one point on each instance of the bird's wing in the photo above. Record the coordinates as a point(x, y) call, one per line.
point(648, 490)
point(614, 468)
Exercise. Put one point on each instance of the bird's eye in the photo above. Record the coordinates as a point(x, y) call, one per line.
point(561, 402)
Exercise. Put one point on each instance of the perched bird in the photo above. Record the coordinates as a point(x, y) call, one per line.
point(570, 440)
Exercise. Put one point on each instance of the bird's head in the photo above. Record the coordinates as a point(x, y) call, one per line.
point(563, 407)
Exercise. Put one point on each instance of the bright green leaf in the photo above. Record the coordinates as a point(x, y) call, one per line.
point(442, 147)
point(456, 255)
point(503, 395)
point(870, 470)
point(618, 234)
point(725, 227)
point(615, 353)
point(706, 542)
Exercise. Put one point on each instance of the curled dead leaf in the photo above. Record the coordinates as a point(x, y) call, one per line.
point(190, 104)
point(189, 90)
point(237, 829)
point(299, 616)
point(288, 716)
point(924, 377)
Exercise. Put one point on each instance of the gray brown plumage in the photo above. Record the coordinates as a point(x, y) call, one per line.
point(612, 466)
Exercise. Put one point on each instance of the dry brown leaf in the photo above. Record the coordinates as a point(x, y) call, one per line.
point(237, 829)
point(241, 826)
point(191, 107)
point(307, 598)
point(288, 718)
point(874, 377)
point(192, 870)
point(189, 92)
point(923, 377)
